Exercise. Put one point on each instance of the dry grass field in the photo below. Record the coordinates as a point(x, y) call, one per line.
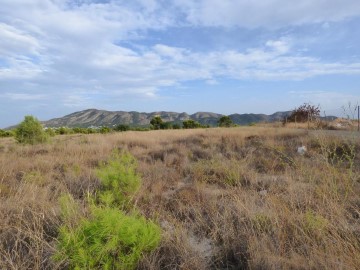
point(236, 198)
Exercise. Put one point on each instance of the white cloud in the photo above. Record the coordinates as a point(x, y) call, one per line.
point(60, 46)
point(23, 96)
point(266, 13)
point(279, 46)
point(115, 70)
point(15, 41)
point(21, 68)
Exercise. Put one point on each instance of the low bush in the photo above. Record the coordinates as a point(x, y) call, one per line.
point(119, 179)
point(109, 238)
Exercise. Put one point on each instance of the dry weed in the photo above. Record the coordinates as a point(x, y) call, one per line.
point(238, 198)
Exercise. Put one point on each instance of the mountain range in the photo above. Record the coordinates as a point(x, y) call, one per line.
point(96, 118)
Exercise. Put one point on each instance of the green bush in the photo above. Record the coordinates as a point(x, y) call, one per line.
point(122, 127)
point(104, 130)
point(225, 121)
point(109, 239)
point(156, 122)
point(188, 124)
point(51, 132)
point(119, 179)
point(6, 133)
point(166, 125)
point(176, 126)
point(64, 131)
point(30, 131)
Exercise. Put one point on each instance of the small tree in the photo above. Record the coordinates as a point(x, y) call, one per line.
point(187, 124)
point(104, 130)
point(122, 127)
point(166, 125)
point(30, 131)
point(304, 113)
point(176, 126)
point(156, 122)
point(225, 121)
point(64, 130)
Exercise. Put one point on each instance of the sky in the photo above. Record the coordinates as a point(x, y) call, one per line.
point(223, 56)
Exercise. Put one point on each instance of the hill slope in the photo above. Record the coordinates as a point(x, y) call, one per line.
point(93, 117)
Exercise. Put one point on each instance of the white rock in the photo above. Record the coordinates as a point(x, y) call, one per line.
point(302, 150)
point(263, 192)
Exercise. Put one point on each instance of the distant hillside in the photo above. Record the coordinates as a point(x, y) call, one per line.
point(245, 119)
point(93, 117)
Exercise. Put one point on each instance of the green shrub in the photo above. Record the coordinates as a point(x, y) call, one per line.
point(51, 132)
point(119, 179)
point(156, 122)
point(64, 131)
point(176, 126)
point(188, 124)
point(6, 133)
point(109, 239)
point(70, 213)
point(122, 127)
point(104, 130)
point(225, 121)
point(30, 131)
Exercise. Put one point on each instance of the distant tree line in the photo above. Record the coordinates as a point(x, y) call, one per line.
point(31, 131)
point(157, 123)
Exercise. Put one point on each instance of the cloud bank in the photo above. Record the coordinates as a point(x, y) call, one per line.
point(74, 51)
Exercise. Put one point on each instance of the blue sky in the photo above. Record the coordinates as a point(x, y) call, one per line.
point(224, 56)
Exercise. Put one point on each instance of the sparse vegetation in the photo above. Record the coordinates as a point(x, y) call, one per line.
point(226, 198)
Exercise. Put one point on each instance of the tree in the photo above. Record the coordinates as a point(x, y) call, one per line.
point(166, 125)
point(176, 126)
point(63, 130)
point(122, 127)
point(191, 124)
point(104, 130)
point(225, 121)
point(156, 122)
point(304, 113)
point(30, 131)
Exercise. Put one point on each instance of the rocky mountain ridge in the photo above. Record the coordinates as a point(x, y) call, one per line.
point(94, 117)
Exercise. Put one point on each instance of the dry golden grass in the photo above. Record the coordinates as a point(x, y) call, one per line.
point(238, 198)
